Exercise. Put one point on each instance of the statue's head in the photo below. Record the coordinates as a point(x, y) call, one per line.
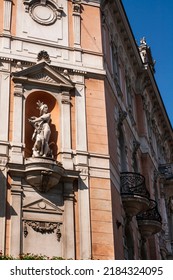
point(42, 107)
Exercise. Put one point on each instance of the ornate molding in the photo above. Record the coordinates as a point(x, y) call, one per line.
point(136, 146)
point(84, 172)
point(3, 164)
point(43, 228)
point(122, 116)
point(118, 88)
point(44, 77)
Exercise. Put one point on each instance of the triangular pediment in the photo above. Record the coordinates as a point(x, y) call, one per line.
point(42, 205)
point(44, 74)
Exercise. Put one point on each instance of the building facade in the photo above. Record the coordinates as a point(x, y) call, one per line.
point(85, 141)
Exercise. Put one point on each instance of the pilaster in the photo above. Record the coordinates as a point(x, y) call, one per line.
point(16, 217)
point(66, 131)
point(81, 133)
point(4, 103)
point(7, 24)
point(17, 145)
point(3, 193)
point(81, 162)
point(77, 9)
point(84, 214)
point(68, 239)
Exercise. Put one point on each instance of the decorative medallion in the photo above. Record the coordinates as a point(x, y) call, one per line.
point(44, 12)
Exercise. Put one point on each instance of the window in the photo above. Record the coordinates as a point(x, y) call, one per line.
point(128, 91)
point(122, 148)
point(114, 61)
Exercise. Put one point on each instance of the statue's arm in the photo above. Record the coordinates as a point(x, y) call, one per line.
point(44, 117)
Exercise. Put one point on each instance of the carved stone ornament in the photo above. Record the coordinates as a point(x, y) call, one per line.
point(77, 6)
point(44, 12)
point(43, 55)
point(136, 146)
point(43, 228)
point(122, 116)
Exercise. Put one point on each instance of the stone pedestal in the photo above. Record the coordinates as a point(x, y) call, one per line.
point(43, 173)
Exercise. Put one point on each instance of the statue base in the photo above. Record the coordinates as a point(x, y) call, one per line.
point(43, 173)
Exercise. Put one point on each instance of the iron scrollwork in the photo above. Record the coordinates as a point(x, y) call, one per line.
point(151, 214)
point(133, 184)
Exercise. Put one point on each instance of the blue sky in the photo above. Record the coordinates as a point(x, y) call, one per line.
point(153, 19)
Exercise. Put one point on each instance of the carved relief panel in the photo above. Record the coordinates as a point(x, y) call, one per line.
point(42, 227)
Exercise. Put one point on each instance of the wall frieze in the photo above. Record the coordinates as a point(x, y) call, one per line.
point(43, 228)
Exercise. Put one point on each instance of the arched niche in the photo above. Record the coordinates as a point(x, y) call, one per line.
point(31, 110)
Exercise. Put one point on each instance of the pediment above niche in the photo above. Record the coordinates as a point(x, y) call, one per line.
point(42, 205)
point(42, 74)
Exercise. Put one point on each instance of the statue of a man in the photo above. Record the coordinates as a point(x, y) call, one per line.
point(42, 131)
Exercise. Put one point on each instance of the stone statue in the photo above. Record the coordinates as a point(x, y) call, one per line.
point(42, 131)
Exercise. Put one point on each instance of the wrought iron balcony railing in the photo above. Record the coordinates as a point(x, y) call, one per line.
point(133, 184)
point(151, 214)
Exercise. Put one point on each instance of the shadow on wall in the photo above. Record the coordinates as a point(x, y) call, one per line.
point(6, 210)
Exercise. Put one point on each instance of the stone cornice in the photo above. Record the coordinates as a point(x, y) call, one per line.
point(116, 8)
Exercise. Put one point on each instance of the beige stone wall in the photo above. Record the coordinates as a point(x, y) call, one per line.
point(70, 24)
point(13, 19)
point(96, 117)
point(73, 121)
point(117, 212)
point(101, 219)
point(111, 105)
point(8, 218)
point(91, 33)
point(11, 111)
point(1, 19)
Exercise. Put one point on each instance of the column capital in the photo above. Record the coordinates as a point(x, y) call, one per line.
point(65, 97)
point(18, 90)
point(77, 7)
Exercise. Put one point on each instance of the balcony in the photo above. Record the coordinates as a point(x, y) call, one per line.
point(166, 170)
point(135, 196)
point(150, 222)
